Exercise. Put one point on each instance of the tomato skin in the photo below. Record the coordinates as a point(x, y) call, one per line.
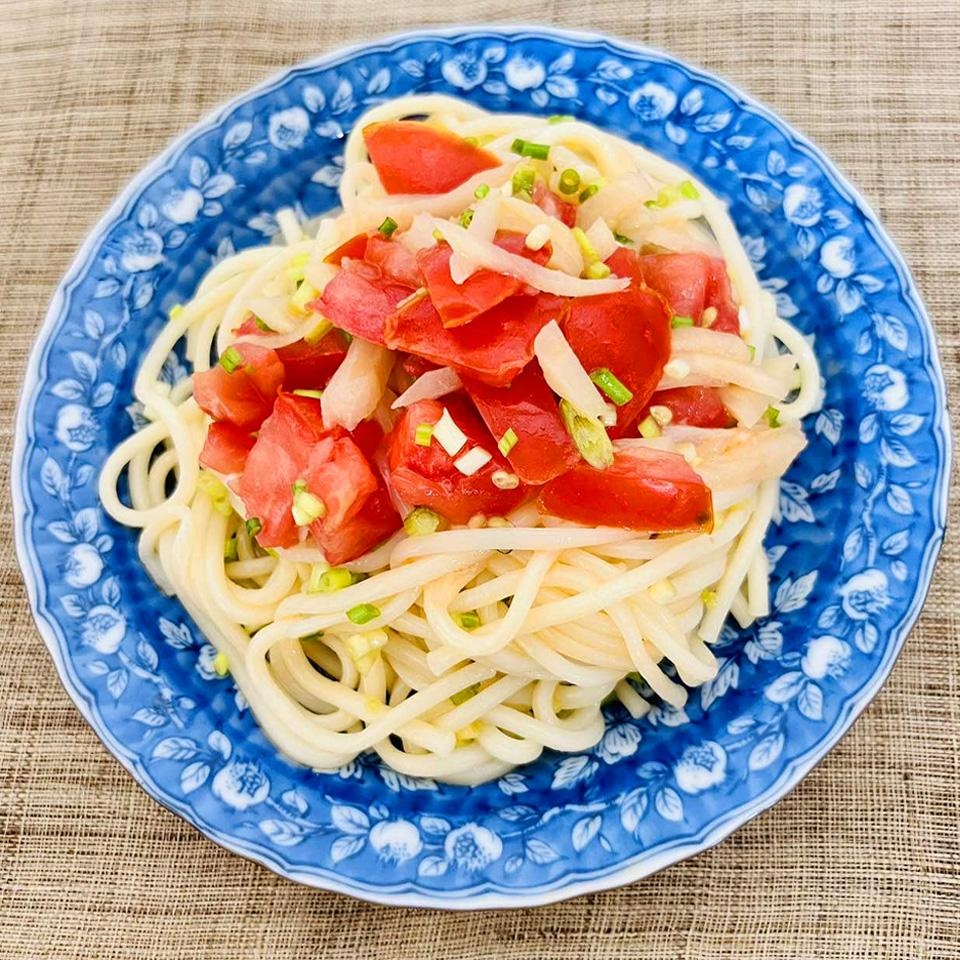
point(554, 206)
point(460, 303)
point(623, 262)
point(647, 490)
point(415, 157)
point(695, 406)
point(494, 348)
point(353, 249)
point(371, 525)
point(359, 300)
point(628, 333)
point(244, 397)
point(426, 476)
point(691, 282)
point(226, 447)
point(544, 449)
point(309, 366)
point(394, 260)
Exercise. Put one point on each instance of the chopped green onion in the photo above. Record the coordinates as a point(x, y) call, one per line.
point(621, 237)
point(588, 250)
point(296, 265)
point(772, 416)
point(423, 434)
point(535, 151)
point(230, 550)
point(560, 118)
point(671, 194)
point(503, 480)
point(305, 293)
point(387, 227)
point(254, 526)
point(469, 620)
point(315, 394)
point(307, 506)
point(688, 190)
point(221, 665)
point(569, 181)
point(466, 218)
point(175, 311)
point(753, 352)
point(597, 271)
point(473, 141)
point(678, 322)
point(663, 415)
point(522, 182)
point(319, 332)
point(588, 435)
point(438, 236)
point(508, 441)
point(363, 613)
point(589, 192)
point(649, 428)
point(613, 387)
point(231, 359)
point(481, 191)
point(420, 522)
point(467, 693)
point(328, 579)
point(261, 326)
point(364, 648)
point(709, 598)
point(216, 491)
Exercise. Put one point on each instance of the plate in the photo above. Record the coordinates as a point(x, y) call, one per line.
point(862, 510)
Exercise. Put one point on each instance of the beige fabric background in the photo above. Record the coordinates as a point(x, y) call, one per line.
point(861, 861)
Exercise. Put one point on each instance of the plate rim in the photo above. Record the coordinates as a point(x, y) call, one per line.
point(643, 864)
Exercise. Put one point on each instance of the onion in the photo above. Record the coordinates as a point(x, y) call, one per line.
point(602, 239)
point(564, 372)
point(419, 235)
point(746, 405)
point(713, 342)
point(710, 371)
point(428, 386)
point(755, 455)
point(357, 385)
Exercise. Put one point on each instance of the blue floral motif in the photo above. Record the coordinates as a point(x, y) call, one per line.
point(861, 513)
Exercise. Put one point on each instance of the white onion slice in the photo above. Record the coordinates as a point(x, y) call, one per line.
point(428, 386)
point(713, 342)
point(602, 239)
point(357, 385)
point(564, 372)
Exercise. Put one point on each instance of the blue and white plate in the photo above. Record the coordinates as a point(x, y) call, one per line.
point(862, 511)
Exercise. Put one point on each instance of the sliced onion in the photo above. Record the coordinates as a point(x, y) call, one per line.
point(273, 312)
point(602, 239)
point(746, 405)
point(521, 216)
point(276, 340)
point(357, 385)
point(711, 371)
point(428, 386)
point(713, 342)
point(755, 455)
point(564, 372)
point(419, 235)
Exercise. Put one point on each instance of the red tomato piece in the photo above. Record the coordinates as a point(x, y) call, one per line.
point(648, 490)
point(244, 397)
point(623, 262)
point(554, 206)
point(376, 520)
point(528, 406)
point(394, 260)
point(494, 348)
point(353, 249)
point(226, 447)
point(628, 333)
point(426, 477)
point(691, 282)
point(409, 369)
point(695, 406)
point(415, 157)
point(459, 303)
point(339, 474)
point(309, 366)
point(248, 327)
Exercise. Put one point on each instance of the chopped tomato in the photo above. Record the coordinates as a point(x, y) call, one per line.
point(543, 449)
point(245, 396)
point(627, 333)
point(648, 490)
point(248, 327)
point(425, 476)
point(226, 447)
point(367, 435)
point(695, 406)
point(623, 262)
point(554, 206)
point(409, 369)
point(372, 524)
point(309, 366)
point(415, 157)
point(494, 348)
point(394, 260)
point(459, 303)
point(691, 282)
point(353, 249)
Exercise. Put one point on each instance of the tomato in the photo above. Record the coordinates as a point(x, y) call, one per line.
point(353, 249)
point(372, 524)
point(410, 368)
point(623, 262)
point(554, 206)
point(226, 447)
point(394, 260)
point(691, 282)
point(426, 477)
point(628, 333)
point(543, 448)
point(309, 366)
point(459, 303)
point(494, 348)
point(415, 157)
point(695, 406)
point(245, 396)
point(648, 490)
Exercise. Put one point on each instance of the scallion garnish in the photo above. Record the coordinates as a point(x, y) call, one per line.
point(363, 613)
point(481, 191)
point(621, 237)
point(469, 620)
point(560, 118)
point(466, 218)
point(671, 194)
point(467, 693)
point(677, 322)
point(508, 441)
point(423, 434)
point(307, 506)
point(261, 326)
point(420, 522)
point(613, 387)
point(597, 271)
point(587, 249)
point(588, 435)
point(315, 394)
point(231, 359)
point(254, 526)
point(649, 428)
point(688, 190)
point(569, 181)
point(589, 192)
point(535, 151)
point(221, 665)
point(329, 579)
point(772, 416)
point(522, 182)
point(230, 550)
point(387, 227)
point(175, 311)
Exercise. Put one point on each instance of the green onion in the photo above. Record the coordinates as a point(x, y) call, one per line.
point(535, 151)
point(328, 579)
point(423, 434)
point(467, 693)
point(364, 648)
point(709, 598)
point(221, 665)
point(678, 322)
point(387, 227)
point(614, 388)
point(216, 491)
point(254, 526)
point(649, 428)
point(473, 141)
point(588, 250)
point(569, 181)
point(469, 620)
point(307, 506)
point(753, 352)
point(522, 182)
point(481, 191)
point(261, 326)
point(318, 332)
point(597, 271)
point(671, 194)
point(231, 359)
point(363, 613)
point(315, 394)
point(230, 550)
point(589, 192)
point(420, 522)
point(621, 237)
point(175, 311)
point(688, 190)
point(560, 118)
point(305, 293)
point(466, 218)
point(508, 441)
point(772, 416)
point(588, 435)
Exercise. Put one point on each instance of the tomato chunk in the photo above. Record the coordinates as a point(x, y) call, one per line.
point(494, 348)
point(226, 447)
point(353, 249)
point(394, 260)
point(623, 262)
point(648, 490)
point(554, 206)
point(424, 476)
point(415, 157)
point(695, 406)
point(691, 282)
point(245, 396)
point(371, 524)
point(309, 366)
point(459, 303)
point(359, 300)
point(627, 333)
point(527, 406)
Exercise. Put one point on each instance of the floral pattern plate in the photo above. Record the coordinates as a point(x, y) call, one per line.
point(862, 510)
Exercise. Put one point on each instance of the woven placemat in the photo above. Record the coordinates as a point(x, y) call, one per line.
point(862, 860)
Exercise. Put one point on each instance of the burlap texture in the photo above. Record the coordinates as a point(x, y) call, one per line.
point(862, 860)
